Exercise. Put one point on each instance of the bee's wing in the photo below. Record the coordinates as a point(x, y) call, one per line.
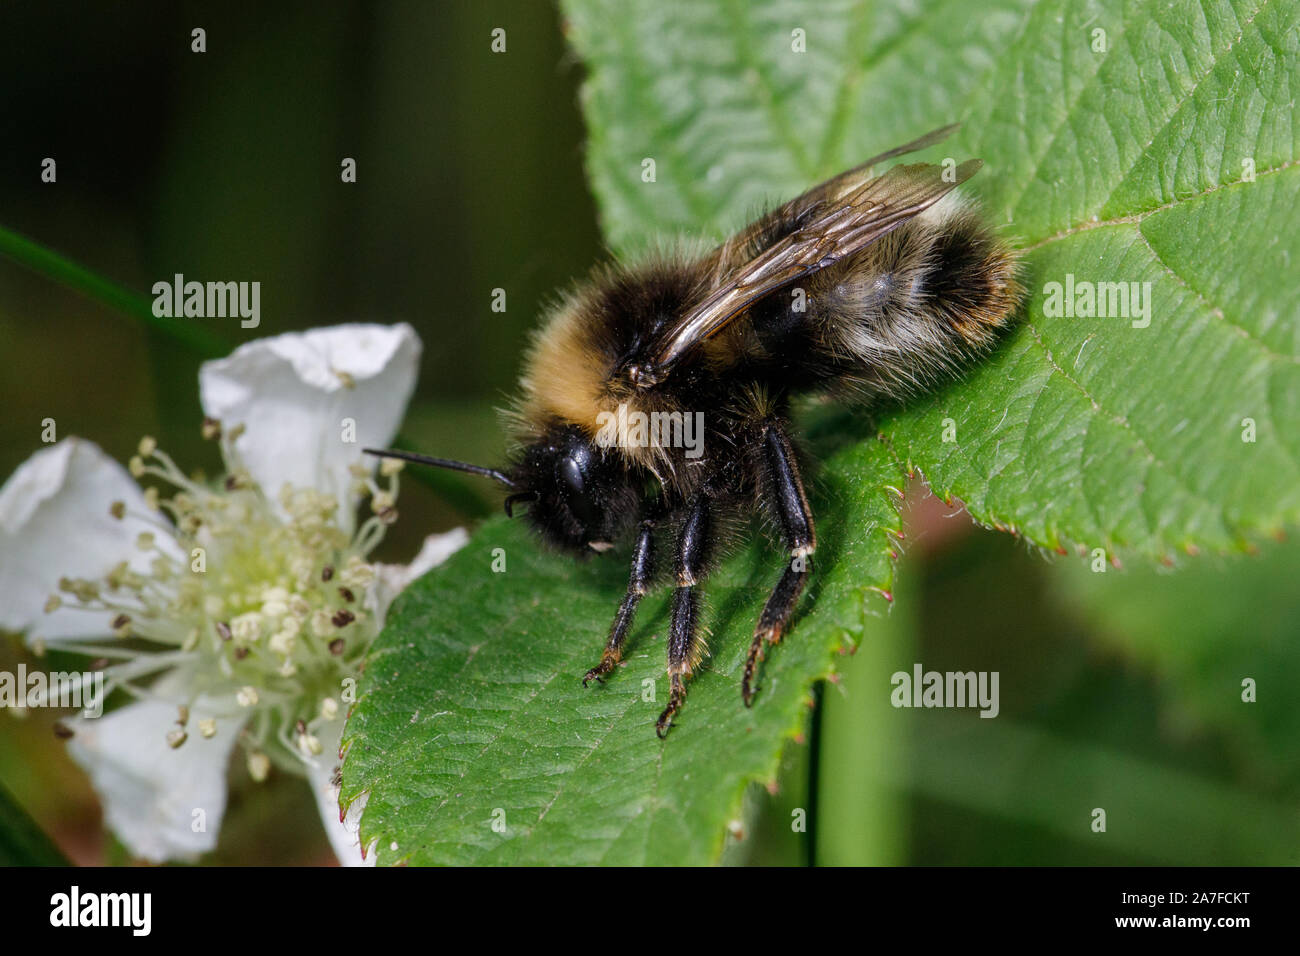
point(831, 189)
point(841, 217)
point(860, 173)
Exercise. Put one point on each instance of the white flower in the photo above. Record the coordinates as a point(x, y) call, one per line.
point(249, 603)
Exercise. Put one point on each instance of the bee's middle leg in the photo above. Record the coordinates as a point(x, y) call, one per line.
point(684, 644)
point(790, 504)
point(637, 585)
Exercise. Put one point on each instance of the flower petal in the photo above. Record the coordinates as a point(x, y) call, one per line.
point(152, 795)
point(392, 579)
point(54, 522)
point(293, 392)
point(344, 834)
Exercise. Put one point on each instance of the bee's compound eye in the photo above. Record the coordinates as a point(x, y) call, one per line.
point(576, 492)
point(570, 476)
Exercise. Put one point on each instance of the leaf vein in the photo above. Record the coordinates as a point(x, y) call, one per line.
point(1125, 424)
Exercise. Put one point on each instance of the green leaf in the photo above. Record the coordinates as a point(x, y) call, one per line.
point(1122, 166)
point(473, 710)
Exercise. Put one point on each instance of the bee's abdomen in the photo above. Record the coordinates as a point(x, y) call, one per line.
point(911, 309)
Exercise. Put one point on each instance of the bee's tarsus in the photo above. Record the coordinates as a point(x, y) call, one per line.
point(796, 525)
point(747, 690)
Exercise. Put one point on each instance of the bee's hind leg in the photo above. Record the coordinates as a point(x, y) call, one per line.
point(785, 495)
point(637, 585)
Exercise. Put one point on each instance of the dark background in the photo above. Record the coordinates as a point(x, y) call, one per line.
point(226, 165)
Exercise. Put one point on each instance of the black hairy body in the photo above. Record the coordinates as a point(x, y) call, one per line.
point(864, 288)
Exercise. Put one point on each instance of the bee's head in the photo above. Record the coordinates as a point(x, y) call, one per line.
point(581, 497)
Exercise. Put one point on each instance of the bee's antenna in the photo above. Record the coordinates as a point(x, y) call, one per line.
point(442, 463)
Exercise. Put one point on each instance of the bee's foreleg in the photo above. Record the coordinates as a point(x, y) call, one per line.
point(637, 585)
point(684, 645)
point(789, 504)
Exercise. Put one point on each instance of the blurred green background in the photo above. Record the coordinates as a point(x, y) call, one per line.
point(1119, 690)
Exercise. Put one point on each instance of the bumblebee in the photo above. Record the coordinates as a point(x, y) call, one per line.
point(864, 289)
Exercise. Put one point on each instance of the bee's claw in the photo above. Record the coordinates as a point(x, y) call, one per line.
point(665, 721)
point(607, 663)
point(747, 689)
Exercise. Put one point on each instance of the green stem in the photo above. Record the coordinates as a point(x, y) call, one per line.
point(117, 297)
point(22, 841)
